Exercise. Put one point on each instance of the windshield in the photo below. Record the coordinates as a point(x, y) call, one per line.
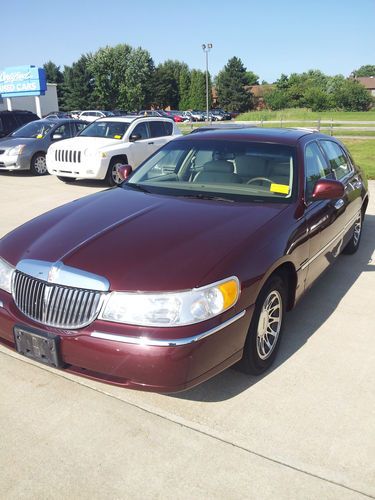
point(237, 171)
point(106, 129)
point(36, 130)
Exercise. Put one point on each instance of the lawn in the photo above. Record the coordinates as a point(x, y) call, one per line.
point(363, 152)
point(306, 114)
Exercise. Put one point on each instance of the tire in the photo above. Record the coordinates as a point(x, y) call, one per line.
point(258, 356)
point(354, 241)
point(38, 164)
point(68, 180)
point(112, 178)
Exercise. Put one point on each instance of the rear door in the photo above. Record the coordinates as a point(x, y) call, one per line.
point(325, 219)
point(160, 132)
point(344, 171)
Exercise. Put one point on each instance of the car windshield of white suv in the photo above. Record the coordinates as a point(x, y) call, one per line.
point(34, 130)
point(235, 171)
point(106, 129)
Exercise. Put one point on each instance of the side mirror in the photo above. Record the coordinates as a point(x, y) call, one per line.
point(57, 137)
point(124, 171)
point(135, 137)
point(326, 189)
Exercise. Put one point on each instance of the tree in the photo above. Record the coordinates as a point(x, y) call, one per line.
point(197, 91)
point(230, 86)
point(136, 89)
point(78, 86)
point(276, 99)
point(366, 70)
point(251, 78)
point(184, 89)
point(349, 94)
point(54, 75)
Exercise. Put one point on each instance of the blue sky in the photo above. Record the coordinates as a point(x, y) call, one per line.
point(271, 37)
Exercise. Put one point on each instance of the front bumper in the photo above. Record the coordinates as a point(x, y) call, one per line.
point(14, 162)
point(89, 168)
point(158, 359)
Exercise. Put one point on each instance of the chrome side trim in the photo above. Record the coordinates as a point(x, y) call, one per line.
point(339, 235)
point(166, 342)
point(60, 274)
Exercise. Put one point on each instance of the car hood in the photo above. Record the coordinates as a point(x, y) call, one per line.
point(140, 241)
point(82, 143)
point(11, 142)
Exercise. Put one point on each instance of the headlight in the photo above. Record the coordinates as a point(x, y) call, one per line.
point(17, 150)
point(6, 273)
point(172, 309)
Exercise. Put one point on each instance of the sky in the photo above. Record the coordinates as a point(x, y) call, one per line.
point(271, 37)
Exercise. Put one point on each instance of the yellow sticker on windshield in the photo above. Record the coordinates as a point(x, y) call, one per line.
point(39, 136)
point(117, 136)
point(279, 188)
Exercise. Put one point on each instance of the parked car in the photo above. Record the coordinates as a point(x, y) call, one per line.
point(194, 115)
point(91, 116)
point(189, 266)
point(220, 115)
point(176, 116)
point(59, 115)
point(12, 120)
point(107, 143)
point(75, 114)
point(26, 148)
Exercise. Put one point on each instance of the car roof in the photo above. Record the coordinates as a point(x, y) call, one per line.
point(132, 118)
point(279, 135)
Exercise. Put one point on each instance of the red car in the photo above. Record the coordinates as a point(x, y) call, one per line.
point(189, 266)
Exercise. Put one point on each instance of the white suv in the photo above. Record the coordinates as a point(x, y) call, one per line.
point(107, 143)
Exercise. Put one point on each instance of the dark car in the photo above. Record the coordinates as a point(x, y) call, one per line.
point(59, 115)
point(189, 266)
point(12, 120)
point(26, 148)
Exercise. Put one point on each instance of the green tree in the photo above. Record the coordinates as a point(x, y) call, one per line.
point(54, 75)
point(184, 89)
point(276, 99)
point(78, 86)
point(349, 95)
point(366, 70)
point(230, 86)
point(197, 92)
point(135, 91)
point(108, 66)
point(251, 78)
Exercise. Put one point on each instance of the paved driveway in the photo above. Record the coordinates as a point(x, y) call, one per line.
point(304, 430)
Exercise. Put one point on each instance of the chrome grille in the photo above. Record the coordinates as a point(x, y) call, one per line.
point(67, 155)
point(55, 305)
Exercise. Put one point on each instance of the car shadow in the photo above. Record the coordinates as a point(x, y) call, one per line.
point(302, 322)
point(94, 183)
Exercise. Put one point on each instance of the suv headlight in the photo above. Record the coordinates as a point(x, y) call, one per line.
point(172, 308)
point(17, 150)
point(6, 273)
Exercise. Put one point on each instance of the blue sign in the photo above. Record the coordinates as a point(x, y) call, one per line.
point(21, 81)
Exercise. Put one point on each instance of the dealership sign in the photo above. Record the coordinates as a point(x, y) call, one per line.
point(20, 81)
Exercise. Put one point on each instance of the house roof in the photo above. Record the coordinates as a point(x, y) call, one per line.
point(367, 81)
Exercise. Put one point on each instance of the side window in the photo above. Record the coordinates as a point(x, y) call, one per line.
point(157, 129)
point(2, 128)
point(315, 167)
point(78, 127)
point(10, 123)
point(142, 130)
point(168, 128)
point(63, 130)
point(340, 164)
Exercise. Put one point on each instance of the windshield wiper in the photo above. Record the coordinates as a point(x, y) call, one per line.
point(135, 186)
point(200, 196)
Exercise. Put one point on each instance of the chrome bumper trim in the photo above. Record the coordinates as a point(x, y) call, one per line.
point(166, 342)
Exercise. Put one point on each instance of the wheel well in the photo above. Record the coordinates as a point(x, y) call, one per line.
point(288, 273)
point(38, 153)
point(119, 157)
point(364, 206)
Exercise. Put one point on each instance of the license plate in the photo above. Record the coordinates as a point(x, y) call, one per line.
point(39, 346)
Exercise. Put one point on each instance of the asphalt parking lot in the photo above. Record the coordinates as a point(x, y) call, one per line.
point(304, 430)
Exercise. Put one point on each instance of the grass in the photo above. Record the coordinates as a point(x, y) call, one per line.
point(363, 153)
point(306, 114)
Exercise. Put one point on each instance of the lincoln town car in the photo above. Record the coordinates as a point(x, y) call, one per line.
point(188, 266)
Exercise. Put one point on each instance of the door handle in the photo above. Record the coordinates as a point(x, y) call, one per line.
point(150, 143)
point(339, 204)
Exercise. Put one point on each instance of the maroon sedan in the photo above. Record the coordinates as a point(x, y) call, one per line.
point(189, 266)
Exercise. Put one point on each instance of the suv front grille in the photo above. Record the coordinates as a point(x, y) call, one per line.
point(56, 305)
point(68, 155)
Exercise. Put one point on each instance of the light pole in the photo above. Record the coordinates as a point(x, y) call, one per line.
point(206, 48)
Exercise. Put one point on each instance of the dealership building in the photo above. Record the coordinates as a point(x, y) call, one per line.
point(26, 88)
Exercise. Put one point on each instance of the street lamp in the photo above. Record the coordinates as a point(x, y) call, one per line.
point(206, 48)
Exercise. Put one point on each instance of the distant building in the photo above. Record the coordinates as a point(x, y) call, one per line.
point(368, 82)
point(48, 102)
